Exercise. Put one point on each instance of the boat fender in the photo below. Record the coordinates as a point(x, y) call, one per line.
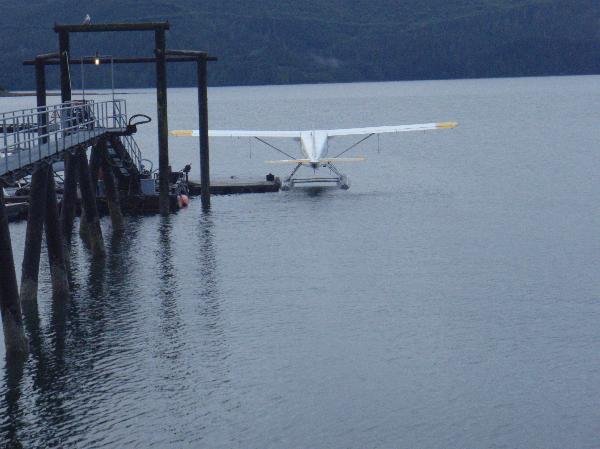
point(183, 201)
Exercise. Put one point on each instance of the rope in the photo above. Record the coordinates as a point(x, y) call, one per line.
point(274, 147)
point(352, 146)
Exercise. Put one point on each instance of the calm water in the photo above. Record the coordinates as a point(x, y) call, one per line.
point(450, 298)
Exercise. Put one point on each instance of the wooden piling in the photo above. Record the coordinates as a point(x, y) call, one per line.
point(95, 162)
point(162, 118)
point(89, 209)
point(40, 93)
point(67, 209)
point(112, 192)
point(54, 241)
point(33, 236)
point(94, 166)
point(65, 77)
point(10, 304)
point(203, 126)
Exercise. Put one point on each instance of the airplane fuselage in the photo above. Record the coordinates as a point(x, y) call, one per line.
point(314, 146)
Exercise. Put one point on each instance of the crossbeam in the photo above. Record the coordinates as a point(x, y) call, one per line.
point(88, 60)
point(107, 27)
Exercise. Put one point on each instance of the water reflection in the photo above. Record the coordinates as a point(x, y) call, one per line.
point(206, 261)
point(214, 346)
point(13, 420)
point(62, 356)
point(170, 322)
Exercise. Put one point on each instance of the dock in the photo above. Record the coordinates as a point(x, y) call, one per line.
point(17, 211)
point(234, 186)
point(102, 172)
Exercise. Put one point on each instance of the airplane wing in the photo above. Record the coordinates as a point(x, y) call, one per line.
point(236, 133)
point(390, 129)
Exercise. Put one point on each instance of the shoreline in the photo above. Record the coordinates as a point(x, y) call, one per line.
point(7, 94)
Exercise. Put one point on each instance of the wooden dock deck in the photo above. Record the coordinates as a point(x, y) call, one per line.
point(16, 211)
point(17, 163)
point(236, 186)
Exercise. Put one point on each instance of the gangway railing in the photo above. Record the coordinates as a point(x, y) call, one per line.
point(30, 135)
point(129, 142)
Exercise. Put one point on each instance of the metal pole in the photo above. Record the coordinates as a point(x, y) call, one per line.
point(163, 126)
point(203, 126)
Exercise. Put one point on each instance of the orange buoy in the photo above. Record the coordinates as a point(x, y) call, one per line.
point(183, 201)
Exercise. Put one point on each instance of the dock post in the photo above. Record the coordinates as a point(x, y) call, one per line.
point(112, 192)
point(162, 118)
point(10, 304)
point(89, 209)
point(67, 207)
point(40, 93)
point(65, 78)
point(95, 164)
point(54, 241)
point(33, 236)
point(203, 126)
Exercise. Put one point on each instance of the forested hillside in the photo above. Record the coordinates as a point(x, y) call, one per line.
point(296, 41)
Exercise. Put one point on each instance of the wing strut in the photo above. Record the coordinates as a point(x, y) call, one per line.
point(353, 145)
point(274, 147)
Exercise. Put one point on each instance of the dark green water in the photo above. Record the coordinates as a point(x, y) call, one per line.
point(450, 298)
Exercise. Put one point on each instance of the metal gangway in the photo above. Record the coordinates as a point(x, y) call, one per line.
point(44, 134)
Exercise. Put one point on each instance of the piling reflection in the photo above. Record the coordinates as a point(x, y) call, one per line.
point(13, 421)
point(63, 355)
point(170, 319)
point(214, 347)
point(206, 261)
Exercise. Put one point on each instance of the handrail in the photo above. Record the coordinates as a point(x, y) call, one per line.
point(33, 133)
point(130, 144)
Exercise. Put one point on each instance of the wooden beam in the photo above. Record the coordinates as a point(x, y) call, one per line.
point(65, 76)
point(55, 243)
point(69, 198)
point(10, 303)
point(162, 119)
point(112, 192)
point(87, 60)
point(33, 235)
point(203, 127)
point(89, 209)
point(107, 27)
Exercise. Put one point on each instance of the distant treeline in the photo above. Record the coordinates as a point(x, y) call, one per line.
point(299, 41)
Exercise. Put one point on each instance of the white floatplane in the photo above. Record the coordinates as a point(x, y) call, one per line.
point(315, 145)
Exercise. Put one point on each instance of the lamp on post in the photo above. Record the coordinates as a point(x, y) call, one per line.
point(98, 61)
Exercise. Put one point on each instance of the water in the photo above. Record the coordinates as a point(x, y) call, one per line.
point(450, 298)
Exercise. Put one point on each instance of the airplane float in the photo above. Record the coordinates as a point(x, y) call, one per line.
point(314, 146)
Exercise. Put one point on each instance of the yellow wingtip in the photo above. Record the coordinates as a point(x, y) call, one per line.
point(447, 125)
point(181, 133)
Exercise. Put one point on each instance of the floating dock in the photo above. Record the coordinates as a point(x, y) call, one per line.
point(17, 211)
point(235, 186)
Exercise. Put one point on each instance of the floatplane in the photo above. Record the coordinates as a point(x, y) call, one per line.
point(314, 146)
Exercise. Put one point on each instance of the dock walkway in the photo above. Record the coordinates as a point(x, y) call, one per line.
point(44, 134)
